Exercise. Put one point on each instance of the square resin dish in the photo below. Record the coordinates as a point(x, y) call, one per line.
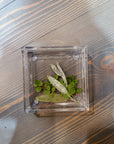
point(36, 66)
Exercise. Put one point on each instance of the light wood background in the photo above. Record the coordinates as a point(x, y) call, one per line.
point(67, 22)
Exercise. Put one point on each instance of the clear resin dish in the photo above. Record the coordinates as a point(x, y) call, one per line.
point(36, 66)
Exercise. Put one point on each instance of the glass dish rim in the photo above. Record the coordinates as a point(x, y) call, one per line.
point(26, 50)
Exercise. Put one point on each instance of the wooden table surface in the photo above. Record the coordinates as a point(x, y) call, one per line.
point(66, 22)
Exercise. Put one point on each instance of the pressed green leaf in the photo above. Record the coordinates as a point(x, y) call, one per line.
point(48, 98)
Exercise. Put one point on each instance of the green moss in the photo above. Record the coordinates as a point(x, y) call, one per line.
point(79, 90)
point(38, 89)
point(47, 91)
point(38, 83)
point(56, 77)
point(53, 89)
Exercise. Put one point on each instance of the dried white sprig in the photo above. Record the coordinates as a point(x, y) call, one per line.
point(62, 73)
point(58, 70)
point(54, 68)
point(59, 86)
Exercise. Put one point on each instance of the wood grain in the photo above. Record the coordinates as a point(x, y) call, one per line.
point(5, 3)
point(57, 16)
point(62, 22)
point(59, 131)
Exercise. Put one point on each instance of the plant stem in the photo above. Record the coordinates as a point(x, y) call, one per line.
point(71, 98)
